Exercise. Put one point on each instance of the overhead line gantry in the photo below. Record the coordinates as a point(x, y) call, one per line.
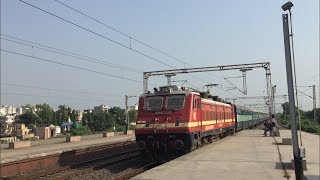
point(241, 67)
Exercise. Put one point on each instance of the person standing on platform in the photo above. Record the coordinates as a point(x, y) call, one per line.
point(267, 127)
point(273, 121)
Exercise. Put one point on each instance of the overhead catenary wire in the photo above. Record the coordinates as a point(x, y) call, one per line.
point(54, 89)
point(122, 33)
point(77, 56)
point(135, 39)
point(67, 53)
point(52, 96)
point(68, 65)
point(95, 33)
point(109, 39)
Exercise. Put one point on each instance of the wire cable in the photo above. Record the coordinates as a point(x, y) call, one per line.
point(72, 66)
point(72, 53)
point(122, 33)
point(51, 96)
point(80, 58)
point(95, 33)
point(53, 89)
point(109, 39)
point(130, 37)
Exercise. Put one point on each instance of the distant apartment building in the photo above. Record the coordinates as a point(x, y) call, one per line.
point(80, 115)
point(6, 123)
point(7, 110)
point(19, 111)
point(87, 111)
point(100, 108)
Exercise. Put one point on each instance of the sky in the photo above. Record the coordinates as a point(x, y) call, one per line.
point(198, 34)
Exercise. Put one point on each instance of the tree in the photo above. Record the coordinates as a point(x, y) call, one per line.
point(28, 118)
point(285, 107)
point(86, 118)
point(101, 121)
point(73, 115)
point(46, 114)
point(62, 114)
point(120, 115)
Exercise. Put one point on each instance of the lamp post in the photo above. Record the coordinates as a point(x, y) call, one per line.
point(286, 34)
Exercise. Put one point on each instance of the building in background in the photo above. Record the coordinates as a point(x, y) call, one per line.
point(6, 123)
point(100, 108)
point(19, 111)
point(87, 111)
point(48, 132)
point(7, 110)
point(20, 130)
point(80, 115)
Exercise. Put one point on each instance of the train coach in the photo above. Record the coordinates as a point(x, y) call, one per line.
point(248, 118)
point(174, 119)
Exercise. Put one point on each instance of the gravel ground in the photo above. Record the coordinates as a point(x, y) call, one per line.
point(111, 172)
point(107, 173)
point(37, 171)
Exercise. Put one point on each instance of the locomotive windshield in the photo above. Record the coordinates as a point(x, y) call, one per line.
point(153, 103)
point(175, 102)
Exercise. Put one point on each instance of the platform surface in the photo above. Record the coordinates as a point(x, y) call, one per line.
point(246, 155)
point(56, 145)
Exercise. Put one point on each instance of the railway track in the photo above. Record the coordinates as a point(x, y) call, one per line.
point(67, 172)
point(59, 161)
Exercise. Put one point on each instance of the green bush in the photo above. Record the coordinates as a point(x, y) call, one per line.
point(82, 130)
point(307, 125)
point(132, 127)
point(310, 126)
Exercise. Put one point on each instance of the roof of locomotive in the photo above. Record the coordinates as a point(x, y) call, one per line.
point(215, 102)
point(186, 93)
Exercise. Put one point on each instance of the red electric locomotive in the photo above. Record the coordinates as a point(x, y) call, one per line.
point(175, 119)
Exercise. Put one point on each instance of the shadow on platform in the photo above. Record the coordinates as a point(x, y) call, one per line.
point(280, 143)
point(285, 165)
point(312, 177)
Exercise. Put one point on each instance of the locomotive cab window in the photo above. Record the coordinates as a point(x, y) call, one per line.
point(195, 103)
point(175, 102)
point(153, 103)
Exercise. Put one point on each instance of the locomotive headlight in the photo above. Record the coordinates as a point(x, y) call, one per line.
point(177, 122)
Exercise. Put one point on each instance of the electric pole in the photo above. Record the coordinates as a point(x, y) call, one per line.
point(127, 116)
point(126, 128)
point(314, 103)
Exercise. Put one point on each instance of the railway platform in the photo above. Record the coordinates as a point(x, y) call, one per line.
point(245, 155)
point(47, 147)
